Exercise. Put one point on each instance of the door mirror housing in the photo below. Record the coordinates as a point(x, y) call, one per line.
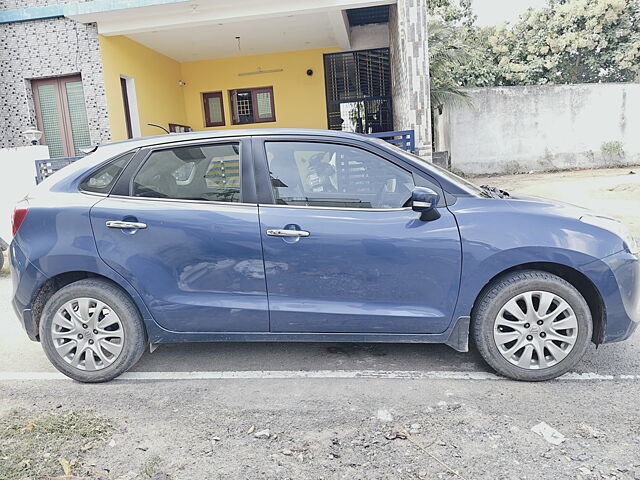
point(424, 200)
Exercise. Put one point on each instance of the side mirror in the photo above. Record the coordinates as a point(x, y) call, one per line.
point(425, 201)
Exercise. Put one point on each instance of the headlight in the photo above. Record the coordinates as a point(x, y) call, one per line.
point(614, 226)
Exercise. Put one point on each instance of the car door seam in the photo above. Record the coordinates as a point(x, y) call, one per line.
point(264, 267)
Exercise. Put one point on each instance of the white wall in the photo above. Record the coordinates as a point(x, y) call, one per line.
point(510, 129)
point(375, 35)
point(17, 179)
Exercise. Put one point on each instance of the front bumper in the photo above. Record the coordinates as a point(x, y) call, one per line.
point(617, 278)
point(26, 279)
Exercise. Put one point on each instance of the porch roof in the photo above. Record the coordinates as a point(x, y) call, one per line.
point(188, 30)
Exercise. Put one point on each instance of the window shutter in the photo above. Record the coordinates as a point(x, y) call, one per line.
point(77, 116)
point(213, 109)
point(51, 119)
point(263, 105)
point(234, 106)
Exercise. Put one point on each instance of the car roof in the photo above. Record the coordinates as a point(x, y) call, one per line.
point(236, 132)
point(110, 150)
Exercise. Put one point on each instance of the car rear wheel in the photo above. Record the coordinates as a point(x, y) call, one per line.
point(531, 325)
point(91, 331)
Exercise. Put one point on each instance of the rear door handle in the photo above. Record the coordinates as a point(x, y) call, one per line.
point(287, 233)
point(126, 225)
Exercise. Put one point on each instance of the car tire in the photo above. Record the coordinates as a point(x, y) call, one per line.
point(105, 345)
point(514, 320)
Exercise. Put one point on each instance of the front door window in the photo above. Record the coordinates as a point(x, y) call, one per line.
point(332, 175)
point(61, 115)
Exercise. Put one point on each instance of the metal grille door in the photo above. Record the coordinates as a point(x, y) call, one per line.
point(359, 90)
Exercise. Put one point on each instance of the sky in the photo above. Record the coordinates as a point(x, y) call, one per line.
point(493, 12)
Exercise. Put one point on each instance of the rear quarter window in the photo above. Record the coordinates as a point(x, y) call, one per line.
point(104, 178)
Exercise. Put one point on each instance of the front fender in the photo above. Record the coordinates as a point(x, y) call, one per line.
point(498, 235)
point(477, 272)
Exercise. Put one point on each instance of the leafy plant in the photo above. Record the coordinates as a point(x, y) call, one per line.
point(613, 153)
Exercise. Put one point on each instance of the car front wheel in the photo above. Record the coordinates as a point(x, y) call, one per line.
point(91, 331)
point(531, 325)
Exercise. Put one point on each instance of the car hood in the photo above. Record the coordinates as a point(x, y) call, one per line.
point(526, 203)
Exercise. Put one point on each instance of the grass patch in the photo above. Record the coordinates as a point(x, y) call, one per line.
point(47, 445)
point(151, 466)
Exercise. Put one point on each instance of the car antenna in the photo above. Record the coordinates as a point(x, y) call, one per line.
point(159, 126)
point(90, 149)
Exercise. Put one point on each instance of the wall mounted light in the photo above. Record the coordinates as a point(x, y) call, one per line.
point(181, 83)
point(32, 134)
point(310, 72)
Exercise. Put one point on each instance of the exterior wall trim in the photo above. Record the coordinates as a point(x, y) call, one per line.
point(29, 14)
point(76, 8)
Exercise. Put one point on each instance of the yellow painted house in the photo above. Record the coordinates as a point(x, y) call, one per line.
point(111, 68)
point(168, 91)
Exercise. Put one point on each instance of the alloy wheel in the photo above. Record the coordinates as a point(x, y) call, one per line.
point(87, 334)
point(535, 330)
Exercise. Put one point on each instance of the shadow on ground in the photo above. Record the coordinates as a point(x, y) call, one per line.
point(307, 356)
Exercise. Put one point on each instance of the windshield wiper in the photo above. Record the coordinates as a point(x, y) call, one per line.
point(495, 192)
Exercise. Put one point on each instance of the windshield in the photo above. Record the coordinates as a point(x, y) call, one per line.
point(464, 184)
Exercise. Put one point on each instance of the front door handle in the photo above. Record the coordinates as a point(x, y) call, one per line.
point(287, 233)
point(126, 225)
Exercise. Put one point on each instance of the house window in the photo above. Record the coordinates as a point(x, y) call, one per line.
point(62, 116)
point(252, 105)
point(213, 109)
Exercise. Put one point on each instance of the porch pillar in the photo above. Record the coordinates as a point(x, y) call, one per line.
point(409, 50)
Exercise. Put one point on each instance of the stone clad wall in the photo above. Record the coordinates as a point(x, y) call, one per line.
point(48, 48)
point(519, 129)
point(409, 49)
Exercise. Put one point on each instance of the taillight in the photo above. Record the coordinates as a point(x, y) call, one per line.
point(19, 215)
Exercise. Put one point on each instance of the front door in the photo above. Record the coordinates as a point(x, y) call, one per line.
point(343, 252)
point(182, 236)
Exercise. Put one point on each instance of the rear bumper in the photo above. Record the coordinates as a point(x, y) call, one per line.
point(617, 277)
point(26, 279)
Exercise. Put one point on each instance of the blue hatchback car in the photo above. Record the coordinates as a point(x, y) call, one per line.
point(313, 236)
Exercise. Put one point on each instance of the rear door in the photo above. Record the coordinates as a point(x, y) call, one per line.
point(182, 227)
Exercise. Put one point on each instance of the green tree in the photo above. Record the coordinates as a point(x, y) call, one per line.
point(447, 54)
point(458, 12)
point(569, 41)
point(459, 53)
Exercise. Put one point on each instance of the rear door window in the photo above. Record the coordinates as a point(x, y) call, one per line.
point(202, 173)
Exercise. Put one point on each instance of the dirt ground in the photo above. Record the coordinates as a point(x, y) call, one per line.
point(614, 191)
point(458, 425)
